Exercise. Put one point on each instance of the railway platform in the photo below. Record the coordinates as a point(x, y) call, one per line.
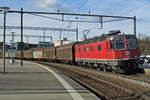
point(37, 82)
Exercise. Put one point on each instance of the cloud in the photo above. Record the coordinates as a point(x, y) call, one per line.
point(51, 5)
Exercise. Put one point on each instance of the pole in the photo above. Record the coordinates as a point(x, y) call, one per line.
point(60, 35)
point(43, 36)
point(135, 25)
point(21, 36)
point(77, 29)
point(27, 38)
point(39, 39)
point(12, 46)
point(4, 42)
point(77, 34)
point(51, 39)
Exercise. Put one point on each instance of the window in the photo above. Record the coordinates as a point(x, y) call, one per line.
point(84, 49)
point(79, 49)
point(119, 44)
point(91, 48)
point(112, 45)
point(132, 44)
point(99, 47)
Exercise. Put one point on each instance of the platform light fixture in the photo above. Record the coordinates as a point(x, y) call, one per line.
point(4, 10)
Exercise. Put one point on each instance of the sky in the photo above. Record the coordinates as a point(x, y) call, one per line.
point(138, 8)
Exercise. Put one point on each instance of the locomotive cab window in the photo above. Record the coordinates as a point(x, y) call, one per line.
point(99, 47)
point(119, 44)
point(84, 49)
point(91, 48)
point(132, 44)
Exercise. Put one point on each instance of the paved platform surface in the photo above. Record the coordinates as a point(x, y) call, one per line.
point(36, 82)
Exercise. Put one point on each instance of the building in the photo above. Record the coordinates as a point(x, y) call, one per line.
point(25, 46)
point(18, 45)
point(31, 46)
point(61, 42)
point(8, 47)
point(45, 44)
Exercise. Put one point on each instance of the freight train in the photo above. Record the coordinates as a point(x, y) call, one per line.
point(115, 52)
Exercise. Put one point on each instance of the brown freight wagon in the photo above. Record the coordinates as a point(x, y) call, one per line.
point(38, 54)
point(50, 54)
point(6, 55)
point(1, 55)
point(18, 54)
point(65, 53)
point(28, 54)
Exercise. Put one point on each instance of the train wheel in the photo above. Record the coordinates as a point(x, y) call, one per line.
point(104, 69)
point(89, 65)
point(113, 71)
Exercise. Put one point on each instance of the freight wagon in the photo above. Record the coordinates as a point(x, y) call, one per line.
point(65, 53)
point(50, 54)
point(28, 54)
point(38, 54)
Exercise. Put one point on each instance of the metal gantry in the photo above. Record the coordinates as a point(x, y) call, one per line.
point(27, 36)
point(72, 14)
point(39, 28)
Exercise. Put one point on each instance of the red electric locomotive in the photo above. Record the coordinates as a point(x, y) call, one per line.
point(115, 52)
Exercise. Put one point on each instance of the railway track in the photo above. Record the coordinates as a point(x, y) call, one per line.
point(105, 85)
point(139, 77)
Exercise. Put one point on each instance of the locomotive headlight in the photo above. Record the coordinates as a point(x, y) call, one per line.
point(128, 52)
point(119, 57)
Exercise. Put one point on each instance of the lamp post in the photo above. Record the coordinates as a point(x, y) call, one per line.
point(4, 11)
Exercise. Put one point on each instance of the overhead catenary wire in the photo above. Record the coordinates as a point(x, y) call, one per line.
point(46, 17)
point(64, 19)
point(138, 7)
point(84, 21)
point(113, 20)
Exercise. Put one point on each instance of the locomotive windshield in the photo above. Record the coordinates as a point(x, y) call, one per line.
point(132, 44)
point(118, 44)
